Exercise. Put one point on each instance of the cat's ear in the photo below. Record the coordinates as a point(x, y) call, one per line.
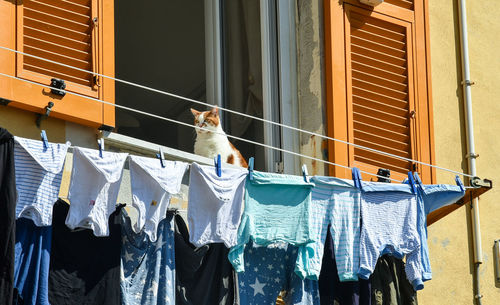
point(215, 111)
point(195, 112)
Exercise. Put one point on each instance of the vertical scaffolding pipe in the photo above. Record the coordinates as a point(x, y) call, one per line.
point(466, 84)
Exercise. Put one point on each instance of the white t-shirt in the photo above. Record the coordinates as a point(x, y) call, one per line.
point(38, 178)
point(215, 204)
point(152, 187)
point(94, 187)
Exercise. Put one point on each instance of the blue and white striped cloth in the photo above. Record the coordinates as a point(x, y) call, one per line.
point(337, 202)
point(38, 178)
point(389, 213)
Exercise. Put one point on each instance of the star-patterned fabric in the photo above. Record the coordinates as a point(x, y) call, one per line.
point(269, 270)
point(148, 268)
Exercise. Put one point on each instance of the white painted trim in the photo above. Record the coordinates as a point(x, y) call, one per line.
point(213, 52)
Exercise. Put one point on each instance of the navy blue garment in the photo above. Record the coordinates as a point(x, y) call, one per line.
point(7, 216)
point(32, 259)
point(332, 290)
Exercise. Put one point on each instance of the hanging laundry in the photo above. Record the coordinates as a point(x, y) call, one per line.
point(390, 285)
point(7, 215)
point(152, 187)
point(31, 270)
point(334, 292)
point(38, 178)
point(204, 275)
point(335, 205)
point(430, 198)
point(148, 268)
point(84, 269)
point(389, 213)
point(269, 270)
point(95, 182)
point(215, 204)
point(277, 209)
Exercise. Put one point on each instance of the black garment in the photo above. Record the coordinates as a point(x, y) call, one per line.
point(7, 216)
point(84, 269)
point(204, 275)
point(389, 283)
point(332, 290)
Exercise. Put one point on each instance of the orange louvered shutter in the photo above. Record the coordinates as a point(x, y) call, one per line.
point(64, 32)
point(377, 76)
point(75, 33)
point(380, 94)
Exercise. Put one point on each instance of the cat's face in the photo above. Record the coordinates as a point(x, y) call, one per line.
point(206, 119)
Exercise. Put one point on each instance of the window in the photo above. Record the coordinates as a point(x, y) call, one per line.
point(377, 86)
point(220, 52)
point(77, 33)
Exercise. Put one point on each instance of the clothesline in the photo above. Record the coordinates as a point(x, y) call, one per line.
point(230, 111)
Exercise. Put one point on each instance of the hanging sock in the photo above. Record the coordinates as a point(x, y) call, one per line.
point(93, 190)
point(148, 267)
point(153, 184)
point(39, 169)
point(215, 204)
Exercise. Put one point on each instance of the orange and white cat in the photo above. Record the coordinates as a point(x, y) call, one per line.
point(213, 141)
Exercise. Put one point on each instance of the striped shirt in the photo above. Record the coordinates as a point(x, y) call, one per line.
point(336, 202)
point(38, 178)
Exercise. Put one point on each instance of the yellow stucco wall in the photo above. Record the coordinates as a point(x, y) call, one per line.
point(449, 239)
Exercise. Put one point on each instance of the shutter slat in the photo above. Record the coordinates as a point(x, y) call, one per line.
point(400, 137)
point(56, 30)
point(401, 3)
point(379, 90)
point(49, 73)
point(375, 71)
point(57, 49)
point(380, 81)
point(49, 9)
point(64, 42)
point(60, 31)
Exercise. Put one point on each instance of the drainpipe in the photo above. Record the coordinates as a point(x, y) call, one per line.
point(467, 83)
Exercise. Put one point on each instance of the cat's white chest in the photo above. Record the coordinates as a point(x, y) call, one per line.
point(211, 146)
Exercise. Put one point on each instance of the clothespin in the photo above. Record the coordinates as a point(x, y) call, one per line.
point(418, 181)
point(411, 181)
point(100, 143)
point(43, 135)
point(217, 164)
point(161, 156)
point(356, 177)
point(250, 168)
point(459, 183)
point(305, 173)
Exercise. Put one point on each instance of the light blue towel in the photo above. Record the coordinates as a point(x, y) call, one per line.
point(277, 209)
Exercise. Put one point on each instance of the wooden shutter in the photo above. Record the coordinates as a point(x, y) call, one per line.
point(77, 33)
point(378, 86)
point(380, 89)
point(64, 32)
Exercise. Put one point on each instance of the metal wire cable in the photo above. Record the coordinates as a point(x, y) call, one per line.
point(242, 114)
point(192, 126)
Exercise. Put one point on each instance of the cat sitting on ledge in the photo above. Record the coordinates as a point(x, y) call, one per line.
point(213, 141)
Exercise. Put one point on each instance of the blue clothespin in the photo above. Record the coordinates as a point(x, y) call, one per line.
point(217, 164)
point(417, 178)
point(356, 177)
point(161, 156)
point(459, 183)
point(250, 168)
point(100, 143)
point(43, 135)
point(305, 173)
point(411, 181)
